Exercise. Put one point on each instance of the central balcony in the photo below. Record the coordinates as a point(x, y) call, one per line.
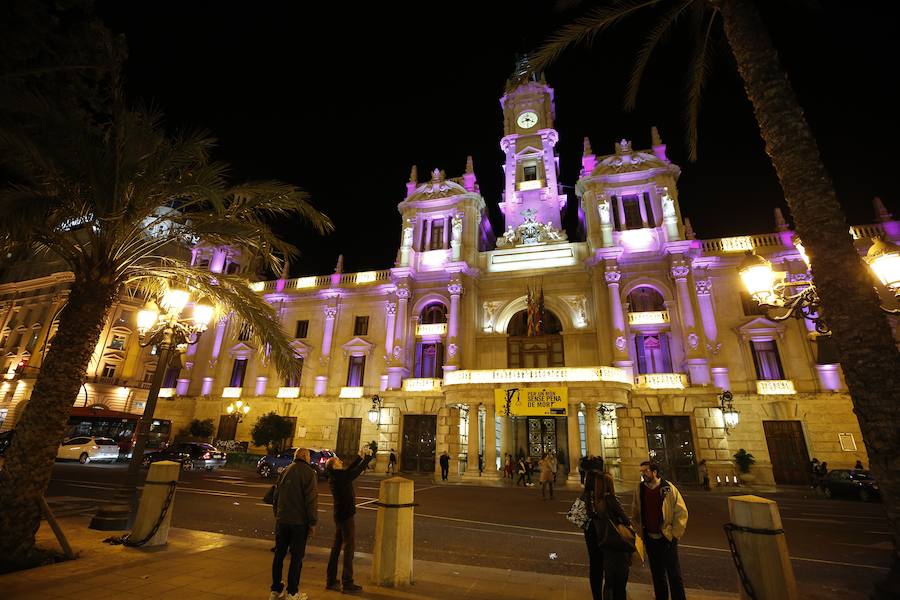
point(652, 317)
point(431, 329)
point(537, 375)
point(662, 381)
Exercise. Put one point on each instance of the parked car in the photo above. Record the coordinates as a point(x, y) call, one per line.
point(191, 455)
point(851, 483)
point(273, 464)
point(88, 448)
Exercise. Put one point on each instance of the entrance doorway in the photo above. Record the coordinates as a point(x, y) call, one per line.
point(672, 447)
point(347, 446)
point(787, 449)
point(417, 454)
point(227, 428)
point(542, 435)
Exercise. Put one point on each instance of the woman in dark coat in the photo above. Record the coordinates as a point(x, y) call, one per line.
point(600, 497)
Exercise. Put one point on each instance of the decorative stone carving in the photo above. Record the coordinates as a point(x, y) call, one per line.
point(704, 286)
point(680, 271)
point(620, 343)
point(603, 207)
point(398, 352)
point(457, 225)
point(408, 234)
point(578, 304)
point(452, 350)
point(330, 311)
point(693, 340)
point(668, 205)
point(612, 274)
point(714, 348)
point(403, 291)
point(392, 308)
point(455, 287)
point(530, 233)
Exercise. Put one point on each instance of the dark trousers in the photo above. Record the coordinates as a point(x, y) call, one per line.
point(544, 485)
point(344, 538)
point(293, 537)
point(445, 469)
point(664, 567)
point(595, 564)
point(521, 479)
point(581, 473)
point(613, 566)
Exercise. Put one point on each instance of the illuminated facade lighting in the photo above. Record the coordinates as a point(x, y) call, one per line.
point(231, 392)
point(288, 392)
point(653, 317)
point(550, 374)
point(422, 384)
point(365, 277)
point(351, 392)
point(775, 387)
point(431, 329)
point(740, 243)
point(167, 392)
point(662, 381)
point(306, 282)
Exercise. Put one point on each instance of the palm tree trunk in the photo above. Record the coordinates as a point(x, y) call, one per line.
point(866, 347)
point(30, 457)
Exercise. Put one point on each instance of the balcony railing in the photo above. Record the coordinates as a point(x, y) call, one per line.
point(422, 384)
point(231, 392)
point(321, 281)
point(768, 240)
point(431, 329)
point(662, 381)
point(775, 387)
point(652, 317)
point(351, 392)
point(288, 392)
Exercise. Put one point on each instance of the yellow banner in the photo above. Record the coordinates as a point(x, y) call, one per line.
point(532, 402)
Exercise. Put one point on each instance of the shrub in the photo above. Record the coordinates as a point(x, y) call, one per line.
point(271, 430)
point(744, 460)
point(201, 429)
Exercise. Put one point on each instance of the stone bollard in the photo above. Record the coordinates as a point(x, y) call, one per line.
point(153, 498)
point(392, 560)
point(763, 553)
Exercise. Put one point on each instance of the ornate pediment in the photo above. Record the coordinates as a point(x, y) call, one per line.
point(438, 187)
point(300, 348)
point(241, 350)
point(626, 160)
point(357, 347)
point(531, 233)
point(760, 327)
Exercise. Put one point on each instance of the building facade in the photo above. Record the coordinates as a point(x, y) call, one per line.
point(617, 343)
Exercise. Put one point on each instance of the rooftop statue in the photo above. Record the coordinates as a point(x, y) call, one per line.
point(530, 233)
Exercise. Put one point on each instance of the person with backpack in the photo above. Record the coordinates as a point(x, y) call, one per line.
point(609, 557)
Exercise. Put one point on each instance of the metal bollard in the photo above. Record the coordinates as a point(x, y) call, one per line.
point(154, 515)
point(392, 561)
point(759, 549)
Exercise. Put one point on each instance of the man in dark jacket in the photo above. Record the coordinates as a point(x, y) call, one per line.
point(296, 514)
point(341, 481)
point(445, 465)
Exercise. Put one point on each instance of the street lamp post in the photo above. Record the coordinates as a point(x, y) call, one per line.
point(730, 414)
point(799, 298)
point(170, 333)
point(375, 411)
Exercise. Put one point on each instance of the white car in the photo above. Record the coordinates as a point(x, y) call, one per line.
point(85, 449)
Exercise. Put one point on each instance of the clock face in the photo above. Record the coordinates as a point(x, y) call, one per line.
point(527, 119)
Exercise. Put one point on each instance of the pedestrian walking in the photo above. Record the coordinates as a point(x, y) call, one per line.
point(605, 561)
point(660, 510)
point(554, 466)
point(582, 467)
point(823, 470)
point(507, 466)
point(392, 462)
point(296, 514)
point(814, 473)
point(340, 480)
point(703, 474)
point(521, 470)
point(445, 465)
point(529, 470)
point(546, 476)
point(859, 466)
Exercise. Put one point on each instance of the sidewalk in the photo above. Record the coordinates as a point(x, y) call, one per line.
point(198, 565)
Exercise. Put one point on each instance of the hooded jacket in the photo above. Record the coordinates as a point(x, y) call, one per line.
point(674, 511)
point(297, 495)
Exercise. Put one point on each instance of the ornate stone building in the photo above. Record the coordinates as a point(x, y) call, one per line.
point(640, 328)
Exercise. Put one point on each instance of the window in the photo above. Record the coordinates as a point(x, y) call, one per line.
point(238, 372)
point(232, 268)
point(631, 206)
point(429, 360)
point(433, 313)
point(148, 376)
point(171, 377)
point(437, 234)
point(648, 209)
point(356, 371)
point(32, 341)
point(125, 318)
point(645, 299)
point(766, 360)
point(108, 371)
point(653, 353)
point(361, 326)
point(302, 329)
point(246, 332)
point(294, 380)
point(117, 342)
point(529, 173)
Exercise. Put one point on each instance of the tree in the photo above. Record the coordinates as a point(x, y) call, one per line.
point(270, 430)
point(201, 429)
point(866, 347)
point(120, 204)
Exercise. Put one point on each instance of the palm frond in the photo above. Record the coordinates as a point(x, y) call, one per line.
point(697, 74)
point(652, 40)
point(584, 29)
point(230, 294)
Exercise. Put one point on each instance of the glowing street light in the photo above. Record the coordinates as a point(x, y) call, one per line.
point(884, 260)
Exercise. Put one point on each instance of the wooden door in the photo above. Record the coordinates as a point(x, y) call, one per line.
point(348, 438)
point(787, 450)
point(227, 428)
point(671, 445)
point(419, 442)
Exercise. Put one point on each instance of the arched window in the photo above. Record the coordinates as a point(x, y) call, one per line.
point(433, 313)
point(524, 351)
point(645, 299)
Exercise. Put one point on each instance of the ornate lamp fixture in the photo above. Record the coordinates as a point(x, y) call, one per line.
point(799, 296)
point(375, 411)
point(238, 409)
point(730, 414)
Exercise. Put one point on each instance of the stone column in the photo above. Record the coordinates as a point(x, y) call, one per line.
point(427, 244)
point(397, 364)
point(707, 314)
point(698, 366)
point(390, 323)
point(455, 288)
point(472, 449)
point(446, 233)
point(325, 358)
point(574, 454)
point(617, 319)
point(490, 441)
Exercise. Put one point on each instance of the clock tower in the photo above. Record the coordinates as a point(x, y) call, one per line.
point(529, 143)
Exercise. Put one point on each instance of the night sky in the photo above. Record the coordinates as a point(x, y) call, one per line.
point(342, 99)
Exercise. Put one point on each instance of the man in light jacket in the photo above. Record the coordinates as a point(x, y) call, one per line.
point(660, 510)
point(296, 514)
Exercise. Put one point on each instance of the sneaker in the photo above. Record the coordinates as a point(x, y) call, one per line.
point(351, 588)
point(276, 595)
point(333, 585)
point(298, 596)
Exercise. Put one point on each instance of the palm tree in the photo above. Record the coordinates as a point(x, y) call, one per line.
point(119, 204)
point(868, 352)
